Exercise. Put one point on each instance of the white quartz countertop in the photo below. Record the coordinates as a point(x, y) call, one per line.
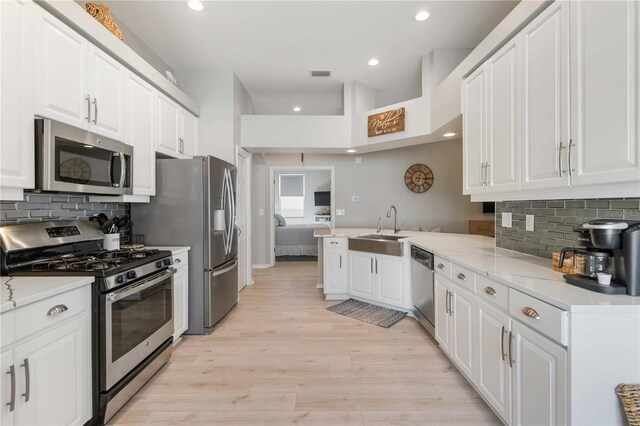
point(529, 274)
point(20, 291)
point(172, 249)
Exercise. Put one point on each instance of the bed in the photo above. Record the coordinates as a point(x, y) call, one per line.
point(297, 240)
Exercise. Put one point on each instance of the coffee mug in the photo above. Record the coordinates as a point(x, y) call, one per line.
point(111, 242)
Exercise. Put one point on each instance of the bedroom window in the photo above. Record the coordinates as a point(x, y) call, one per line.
point(291, 195)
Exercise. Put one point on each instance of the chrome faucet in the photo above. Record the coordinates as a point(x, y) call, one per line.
point(395, 218)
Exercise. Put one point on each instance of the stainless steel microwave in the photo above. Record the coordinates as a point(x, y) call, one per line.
point(69, 159)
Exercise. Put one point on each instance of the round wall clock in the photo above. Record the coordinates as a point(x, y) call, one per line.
point(418, 178)
point(75, 170)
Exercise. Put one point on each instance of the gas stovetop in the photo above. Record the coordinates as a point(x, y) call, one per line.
point(102, 262)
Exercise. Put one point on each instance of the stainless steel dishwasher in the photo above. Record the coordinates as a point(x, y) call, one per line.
point(422, 287)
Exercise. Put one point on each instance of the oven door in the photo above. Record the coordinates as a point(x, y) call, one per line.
point(138, 319)
point(74, 160)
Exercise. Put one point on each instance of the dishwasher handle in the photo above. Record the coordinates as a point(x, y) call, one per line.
point(423, 257)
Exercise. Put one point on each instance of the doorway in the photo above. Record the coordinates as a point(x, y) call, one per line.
point(301, 200)
point(243, 164)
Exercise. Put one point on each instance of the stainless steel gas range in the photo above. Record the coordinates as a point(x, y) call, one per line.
point(132, 301)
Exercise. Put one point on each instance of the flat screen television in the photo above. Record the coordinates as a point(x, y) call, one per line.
point(322, 198)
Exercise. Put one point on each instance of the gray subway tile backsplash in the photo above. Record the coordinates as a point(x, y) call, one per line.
point(44, 207)
point(555, 221)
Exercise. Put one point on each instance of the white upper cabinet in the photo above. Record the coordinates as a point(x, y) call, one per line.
point(168, 121)
point(140, 133)
point(107, 87)
point(545, 99)
point(189, 133)
point(604, 92)
point(61, 80)
point(503, 137)
point(16, 98)
point(474, 105)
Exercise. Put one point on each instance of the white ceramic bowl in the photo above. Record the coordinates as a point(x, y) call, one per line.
point(604, 279)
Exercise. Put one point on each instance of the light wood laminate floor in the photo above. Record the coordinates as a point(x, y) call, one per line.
point(280, 358)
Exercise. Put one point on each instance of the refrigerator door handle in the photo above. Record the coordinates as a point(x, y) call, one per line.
point(229, 235)
point(225, 270)
point(232, 202)
point(224, 202)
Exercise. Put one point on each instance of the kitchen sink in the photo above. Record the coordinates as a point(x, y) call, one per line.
point(379, 244)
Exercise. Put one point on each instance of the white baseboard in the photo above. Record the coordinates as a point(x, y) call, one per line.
point(262, 266)
point(319, 285)
point(338, 296)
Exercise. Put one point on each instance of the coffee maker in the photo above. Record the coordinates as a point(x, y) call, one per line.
point(609, 246)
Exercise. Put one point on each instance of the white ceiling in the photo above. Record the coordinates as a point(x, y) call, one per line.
point(272, 45)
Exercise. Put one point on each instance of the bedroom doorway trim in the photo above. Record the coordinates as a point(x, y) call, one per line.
point(272, 202)
point(243, 164)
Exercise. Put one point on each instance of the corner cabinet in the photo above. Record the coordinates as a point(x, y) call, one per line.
point(46, 361)
point(17, 163)
point(557, 107)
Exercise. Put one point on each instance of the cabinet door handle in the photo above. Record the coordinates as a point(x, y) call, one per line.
point(95, 107)
point(569, 159)
point(486, 173)
point(490, 291)
point(340, 261)
point(372, 265)
point(482, 175)
point(512, 359)
point(450, 303)
point(376, 266)
point(58, 309)
point(531, 313)
point(27, 380)
point(12, 401)
point(502, 354)
point(560, 158)
point(446, 302)
point(88, 99)
point(440, 266)
point(461, 276)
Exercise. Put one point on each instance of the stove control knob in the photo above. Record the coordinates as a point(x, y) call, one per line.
point(120, 279)
point(159, 264)
point(132, 275)
point(168, 261)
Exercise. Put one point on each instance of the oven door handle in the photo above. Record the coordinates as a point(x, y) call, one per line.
point(150, 282)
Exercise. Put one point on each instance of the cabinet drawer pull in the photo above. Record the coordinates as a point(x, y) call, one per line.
point(440, 266)
point(531, 313)
point(490, 291)
point(58, 309)
point(462, 277)
point(27, 380)
point(12, 401)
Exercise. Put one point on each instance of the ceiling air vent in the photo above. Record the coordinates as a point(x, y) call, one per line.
point(319, 73)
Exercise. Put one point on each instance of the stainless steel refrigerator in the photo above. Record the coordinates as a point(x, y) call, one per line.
point(195, 206)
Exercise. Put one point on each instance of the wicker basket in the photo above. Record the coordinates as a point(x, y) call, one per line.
point(567, 266)
point(630, 397)
point(102, 14)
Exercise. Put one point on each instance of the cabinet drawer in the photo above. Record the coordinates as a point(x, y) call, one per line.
point(539, 315)
point(492, 291)
point(463, 277)
point(335, 242)
point(181, 259)
point(8, 327)
point(442, 267)
point(35, 317)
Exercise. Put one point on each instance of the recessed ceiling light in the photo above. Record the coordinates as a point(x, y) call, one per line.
point(297, 109)
point(373, 62)
point(351, 151)
point(195, 5)
point(449, 134)
point(423, 15)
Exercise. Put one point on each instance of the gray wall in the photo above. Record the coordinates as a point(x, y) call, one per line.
point(554, 222)
point(44, 207)
point(379, 182)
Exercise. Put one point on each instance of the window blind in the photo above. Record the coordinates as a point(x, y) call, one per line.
point(291, 185)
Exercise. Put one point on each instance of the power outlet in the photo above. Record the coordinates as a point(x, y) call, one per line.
point(358, 160)
point(260, 212)
point(530, 223)
point(506, 220)
point(355, 198)
point(339, 212)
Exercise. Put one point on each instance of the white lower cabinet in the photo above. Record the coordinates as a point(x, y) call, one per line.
point(539, 379)
point(46, 368)
point(335, 271)
point(463, 320)
point(494, 372)
point(441, 303)
point(180, 295)
point(379, 278)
